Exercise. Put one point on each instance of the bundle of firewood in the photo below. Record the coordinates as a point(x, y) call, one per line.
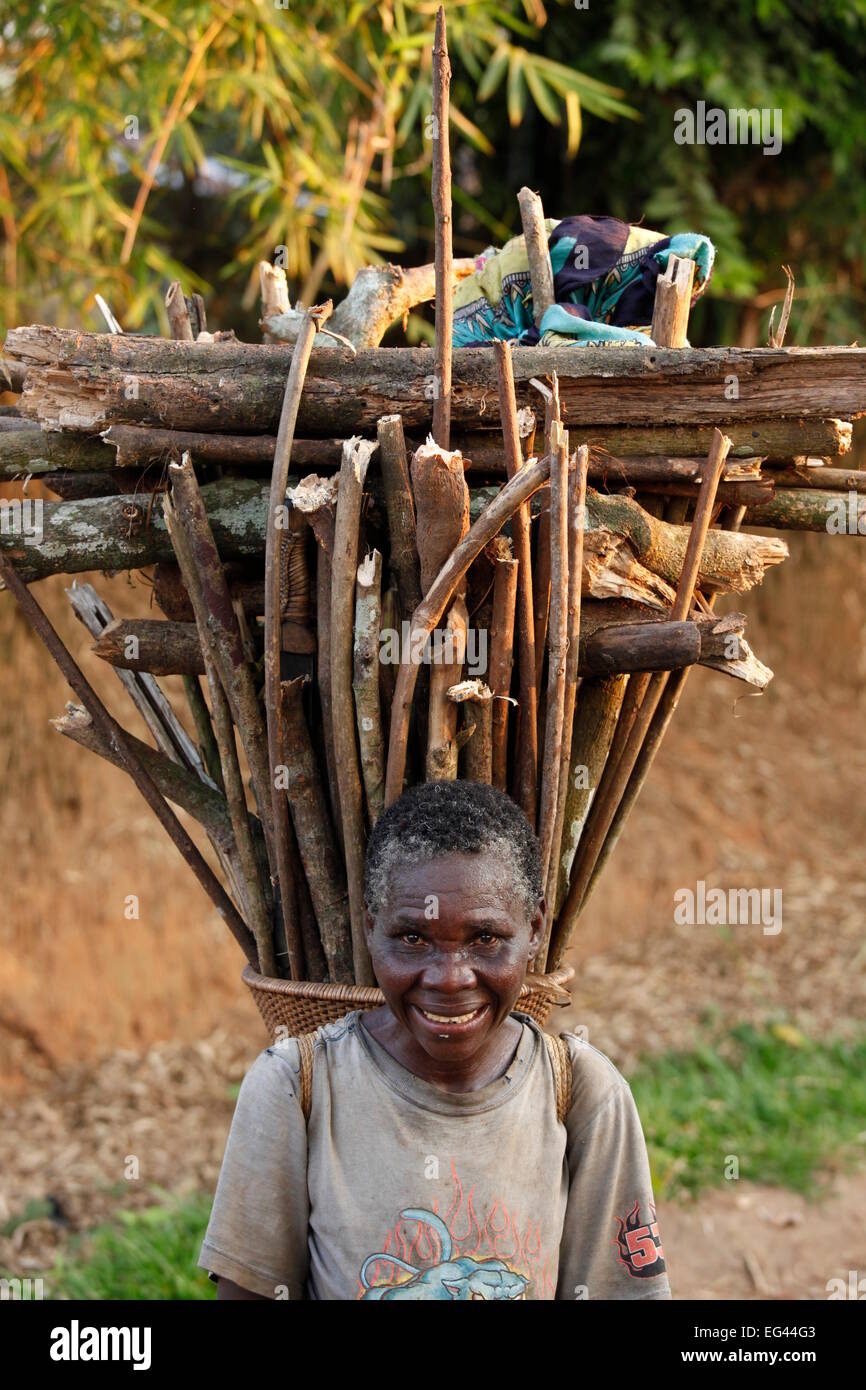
point(391, 565)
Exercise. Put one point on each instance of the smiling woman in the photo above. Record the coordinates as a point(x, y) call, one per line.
point(436, 1162)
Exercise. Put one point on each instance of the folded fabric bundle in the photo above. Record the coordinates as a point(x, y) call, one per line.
point(604, 281)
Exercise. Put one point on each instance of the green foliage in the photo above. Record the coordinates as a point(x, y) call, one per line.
point(144, 1254)
point(789, 1108)
point(301, 133)
point(270, 128)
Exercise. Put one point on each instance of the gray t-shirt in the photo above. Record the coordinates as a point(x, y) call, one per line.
point(398, 1189)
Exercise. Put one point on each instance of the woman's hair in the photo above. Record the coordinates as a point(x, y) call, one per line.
point(436, 818)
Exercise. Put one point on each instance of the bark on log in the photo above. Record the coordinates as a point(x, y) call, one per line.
point(147, 644)
point(537, 253)
point(87, 381)
point(501, 661)
point(597, 712)
point(405, 564)
point(476, 700)
point(98, 534)
point(673, 300)
point(442, 747)
point(322, 863)
point(365, 683)
point(802, 473)
point(808, 509)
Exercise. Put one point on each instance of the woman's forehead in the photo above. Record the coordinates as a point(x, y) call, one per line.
point(487, 874)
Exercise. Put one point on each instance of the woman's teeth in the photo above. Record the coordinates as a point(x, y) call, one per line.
point(451, 1018)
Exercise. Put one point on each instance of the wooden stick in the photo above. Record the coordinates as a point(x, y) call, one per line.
point(319, 854)
point(673, 302)
point(476, 701)
point(540, 268)
point(526, 785)
point(576, 520)
point(115, 735)
point(444, 255)
point(776, 339)
point(149, 644)
point(225, 741)
point(282, 837)
point(218, 615)
point(368, 708)
point(442, 745)
point(541, 586)
point(516, 492)
point(204, 729)
point(612, 789)
point(501, 662)
point(405, 565)
point(557, 651)
point(598, 708)
point(356, 457)
point(178, 314)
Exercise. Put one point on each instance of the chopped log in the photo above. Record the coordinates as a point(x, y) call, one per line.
point(99, 535)
point(368, 707)
point(356, 457)
point(808, 509)
point(557, 647)
point(444, 253)
point(445, 673)
point(317, 498)
point(476, 701)
point(501, 661)
point(597, 712)
point(515, 493)
point(378, 296)
point(541, 584)
point(84, 381)
point(442, 507)
point(282, 841)
point(178, 314)
point(576, 522)
point(148, 644)
point(28, 449)
point(405, 564)
point(673, 301)
point(116, 736)
point(618, 637)
point(221, 623)
point(537, 253)
point(525, 789)
point(320, 857)
point(187, 550)
point(813, 473)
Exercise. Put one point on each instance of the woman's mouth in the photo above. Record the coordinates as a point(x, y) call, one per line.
point(451, 1023)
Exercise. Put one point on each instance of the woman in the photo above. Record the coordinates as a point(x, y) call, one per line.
point(433, 1165)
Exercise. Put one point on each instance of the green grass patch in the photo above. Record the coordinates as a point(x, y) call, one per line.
point(791, 1110)
point(143, 1254)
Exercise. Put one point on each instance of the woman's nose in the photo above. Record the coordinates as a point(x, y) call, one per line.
point(450, 970)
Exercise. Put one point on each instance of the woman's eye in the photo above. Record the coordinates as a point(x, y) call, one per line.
point(410, 937)
point(486, 937)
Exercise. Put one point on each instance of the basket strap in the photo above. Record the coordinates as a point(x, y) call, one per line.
point(560, 1058)
point(306, 1052)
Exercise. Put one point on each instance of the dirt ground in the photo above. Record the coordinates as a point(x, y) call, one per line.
point(122, 1037)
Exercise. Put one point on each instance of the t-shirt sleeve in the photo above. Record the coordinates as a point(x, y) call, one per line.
point(610, 1242)
point(257, 1234)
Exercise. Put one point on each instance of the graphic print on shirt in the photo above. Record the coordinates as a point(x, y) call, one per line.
point(638, 1245)
point(428, 1256)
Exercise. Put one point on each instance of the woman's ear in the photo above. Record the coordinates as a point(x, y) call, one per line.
point(536, 929)
point(369, 928)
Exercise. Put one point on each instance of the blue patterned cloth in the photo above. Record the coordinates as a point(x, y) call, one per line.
point(604, 279)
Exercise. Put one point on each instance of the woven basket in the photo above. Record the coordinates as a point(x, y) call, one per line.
point(298, 1006)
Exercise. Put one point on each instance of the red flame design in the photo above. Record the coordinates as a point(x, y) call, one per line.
point(501, 1237)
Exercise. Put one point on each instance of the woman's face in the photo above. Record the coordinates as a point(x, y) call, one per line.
point(450, 950)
